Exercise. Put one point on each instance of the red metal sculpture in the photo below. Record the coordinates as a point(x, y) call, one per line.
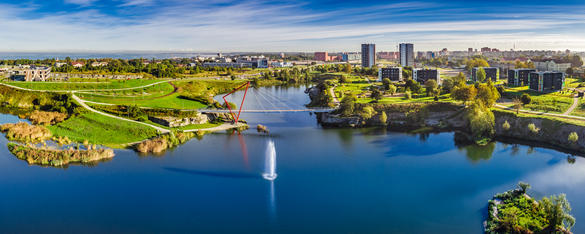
point(237, 118)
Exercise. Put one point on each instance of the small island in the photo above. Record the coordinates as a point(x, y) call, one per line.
point(515, 211)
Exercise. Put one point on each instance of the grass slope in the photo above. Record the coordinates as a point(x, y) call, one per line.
point(99, 129)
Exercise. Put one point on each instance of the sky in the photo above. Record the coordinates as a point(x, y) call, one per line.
point(289, 26)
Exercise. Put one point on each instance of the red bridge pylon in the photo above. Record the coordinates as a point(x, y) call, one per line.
point(237, 118)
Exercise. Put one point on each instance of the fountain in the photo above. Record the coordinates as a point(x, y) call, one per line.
point(270, 170)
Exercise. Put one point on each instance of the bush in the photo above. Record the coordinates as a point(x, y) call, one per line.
point(407, 95)
point(506, 125)
point(573, 137)
point(526, 99)
point(533, 128)
point(391, 89)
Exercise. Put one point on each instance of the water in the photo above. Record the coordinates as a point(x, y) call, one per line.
point(270, 173)
point(329, 181)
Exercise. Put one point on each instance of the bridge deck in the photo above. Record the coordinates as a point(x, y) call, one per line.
point(269, 111)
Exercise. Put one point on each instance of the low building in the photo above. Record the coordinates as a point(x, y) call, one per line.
point(392, 73)
point(99, 64)
point(232, 65)
point(32, 73)
point(547, 81)
point(281, 64)
point(322, 56)
point(492, 73)
point(77, 64)
point(519, 77)
point(422, 75)
point(552, 66)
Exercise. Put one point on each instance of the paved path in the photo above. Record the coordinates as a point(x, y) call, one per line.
point(223, 127)
point(332, 93)
point(575, 104)
point(542, 113)
point(82, 103)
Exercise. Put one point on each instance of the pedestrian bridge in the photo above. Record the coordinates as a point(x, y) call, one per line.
point(315, 110)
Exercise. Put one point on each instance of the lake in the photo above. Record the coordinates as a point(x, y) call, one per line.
point(328, 181)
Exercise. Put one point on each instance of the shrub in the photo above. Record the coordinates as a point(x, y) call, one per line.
point(506, 125)
point(526, 99)
point(408, 95)
point(533, 128)
point(573, 137)
point(392, 89)
point(383, 118)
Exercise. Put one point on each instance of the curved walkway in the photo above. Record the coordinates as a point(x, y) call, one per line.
point(82, 103)
point(575, 104)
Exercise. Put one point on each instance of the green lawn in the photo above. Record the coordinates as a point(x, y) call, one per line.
point(105, 84)
point(555, 102)
point(99, 129)
point(173, 101)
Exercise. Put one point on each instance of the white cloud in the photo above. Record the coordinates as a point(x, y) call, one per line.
point(80, 2)
point(136, 3)
point(254, 26)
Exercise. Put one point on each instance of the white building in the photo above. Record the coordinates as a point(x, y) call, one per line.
point(552, 66)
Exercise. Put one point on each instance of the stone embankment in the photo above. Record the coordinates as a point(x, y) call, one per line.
point(546, 132)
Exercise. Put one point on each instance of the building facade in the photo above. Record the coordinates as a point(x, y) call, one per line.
point(422, 75)
point(407, 55)
point(368, 55)
point(348, 57)
point(32, 73)
point(519, 77)
point(552, 66)
point(492, 73)
point(322, 56)
point(392, 73)
point(547, 81)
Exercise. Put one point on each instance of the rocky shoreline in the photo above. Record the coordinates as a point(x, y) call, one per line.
point(447, 117)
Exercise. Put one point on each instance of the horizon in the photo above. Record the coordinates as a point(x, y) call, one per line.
point(227, 26)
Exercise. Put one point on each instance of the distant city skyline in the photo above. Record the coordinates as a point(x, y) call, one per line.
point(288, 26)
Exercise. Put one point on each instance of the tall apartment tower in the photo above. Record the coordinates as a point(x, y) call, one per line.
point(368, 55)
point(407, 55)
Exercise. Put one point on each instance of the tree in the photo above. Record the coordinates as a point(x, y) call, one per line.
point(506, 125)
point(383, 118)
point(413, 86)
point(481, 121)
point(448, 85)
point(376, 94)
point(487, 93)
point(557, 210)
point(459, 79)
point(431, 87)
point(386, 82)
point(347, 68)
point(343, 79)
point(464, 93)
point(392, 89)
point(523, 186)
point(517, 105)
point(525, 98)
point(480, 74)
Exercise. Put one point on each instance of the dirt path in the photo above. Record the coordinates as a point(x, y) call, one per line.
point(332, 93)
point(572, 108)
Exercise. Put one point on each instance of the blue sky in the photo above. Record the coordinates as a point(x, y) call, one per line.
point(319, 25)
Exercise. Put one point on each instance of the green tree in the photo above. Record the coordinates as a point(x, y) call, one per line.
point(481, 121)
point(347, 68)
point(487, 93)
point(480, 74)
point(383, 118)
point(557, 210)
point(526, 99)
point(464, 93)
point(523, 186)
point(376, 94)
point(386, 83)
point(431, 87)
point(391, 89)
